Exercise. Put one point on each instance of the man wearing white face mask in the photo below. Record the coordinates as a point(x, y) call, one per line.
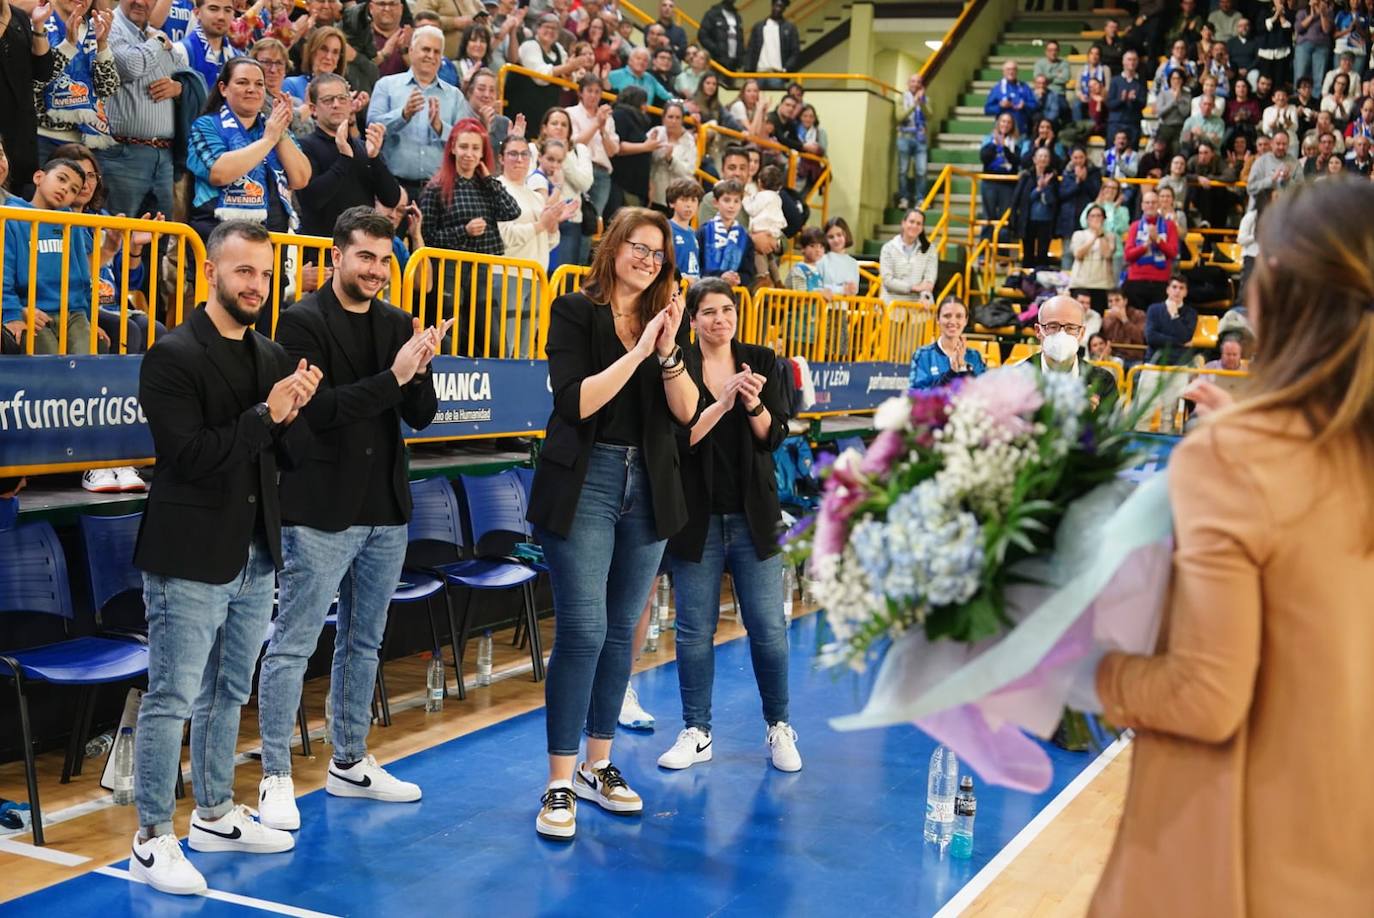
point(1060, 328)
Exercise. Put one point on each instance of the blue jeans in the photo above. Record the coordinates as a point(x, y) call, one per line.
point(132, 173)
point(997, 198)
point(911, 151)
point(1315, 59)
point(601, 574)
point(758, 584)
point(363, 565)
point(203, 645)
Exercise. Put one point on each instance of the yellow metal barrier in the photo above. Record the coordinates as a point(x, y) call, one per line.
point(500, 300)
point(97, 227)
point(909, 326)
point(791, 322)
point(294, 251)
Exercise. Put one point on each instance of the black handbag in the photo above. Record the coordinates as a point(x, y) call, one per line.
point(589, 216)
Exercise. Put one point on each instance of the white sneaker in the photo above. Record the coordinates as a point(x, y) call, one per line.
point(903, 203)
point(277, 803)
point(558, 816)
point(783, 740)
point(602, 784)
point(129, 480)
point(162, 864)
point(693, 745)
point(101, 481)
point(368, 779)
point(632, 715)
point(237, 830)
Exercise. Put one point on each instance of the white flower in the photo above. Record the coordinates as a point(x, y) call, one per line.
point(849, 461)
point(893, 414)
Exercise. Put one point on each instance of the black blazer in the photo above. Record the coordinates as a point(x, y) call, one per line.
point(323, 491)
point(755, 460)
point(1098, 381)
point(213, 456)
point(578, 332)
point(19, 70)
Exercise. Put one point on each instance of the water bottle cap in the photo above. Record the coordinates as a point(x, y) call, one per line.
point(487, 633)
point(966, 782)
point(124, 730)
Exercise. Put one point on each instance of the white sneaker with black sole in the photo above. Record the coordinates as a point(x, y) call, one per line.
point(601, 783)
point(162, 864)
point(558, 812)
point(277, 803)
point(693, 745)
point(101, 481)
point(237, 830)
point(782, 740)
point(367, 779)
point(632, 713)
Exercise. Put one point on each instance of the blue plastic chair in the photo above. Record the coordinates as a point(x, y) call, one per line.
point(435, 517)
point(109, 543)
point(855, 442)
point(33, 579)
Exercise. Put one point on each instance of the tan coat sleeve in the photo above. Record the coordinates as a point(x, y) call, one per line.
point(1200, 687)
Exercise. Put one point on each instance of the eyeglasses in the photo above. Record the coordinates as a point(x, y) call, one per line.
point(333, 100)
point(1054, 328)
point(517, 154)
point(642, 252)
point(272, 65)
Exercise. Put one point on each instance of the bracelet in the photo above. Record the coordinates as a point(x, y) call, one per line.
point(758, 409)
point(674, 373)
point(672, 360)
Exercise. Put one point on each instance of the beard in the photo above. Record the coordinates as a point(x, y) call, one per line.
point(354, 291)
point(245, 316)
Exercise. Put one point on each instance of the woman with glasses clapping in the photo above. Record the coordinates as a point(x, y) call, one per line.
point(607, 495)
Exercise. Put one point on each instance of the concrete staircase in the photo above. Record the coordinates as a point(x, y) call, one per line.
point(957, 139)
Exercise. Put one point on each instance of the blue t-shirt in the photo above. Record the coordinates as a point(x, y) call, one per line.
point(178, 21)
point(686, 250)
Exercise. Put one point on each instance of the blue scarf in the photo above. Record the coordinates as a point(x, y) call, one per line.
point(70, 98)
point(916, 121)
point(1153, 256)
point(1090, 73)
point(198, 51)
point(245, 198)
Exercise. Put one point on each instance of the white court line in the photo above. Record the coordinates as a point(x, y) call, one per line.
point(983, 879)
point(51, 855)
point(234, 898)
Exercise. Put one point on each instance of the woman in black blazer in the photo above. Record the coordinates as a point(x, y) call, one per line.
point(25, 59)
point(733, 524)
point(607, 495)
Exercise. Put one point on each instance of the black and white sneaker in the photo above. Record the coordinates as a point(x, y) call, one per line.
point(602, 784)
point(693, 745)
point(162, 864)
point(367, 779)
point(237, 830)
point(558, 815)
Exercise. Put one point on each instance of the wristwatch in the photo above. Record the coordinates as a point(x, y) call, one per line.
point(757, 410)
point(672, 360)
point(265, 414)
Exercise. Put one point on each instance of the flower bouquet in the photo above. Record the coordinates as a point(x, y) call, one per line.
point(986, 549)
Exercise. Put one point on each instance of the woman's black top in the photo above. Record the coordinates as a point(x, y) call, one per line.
point(631, 171)
point(20, 68)
point(581, 343)
point(731, 443)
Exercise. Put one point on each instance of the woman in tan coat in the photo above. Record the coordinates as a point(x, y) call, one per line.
point(1250, 791)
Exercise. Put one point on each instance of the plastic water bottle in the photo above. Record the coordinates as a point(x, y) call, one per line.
point(434, 683)
point(123, 779)
point(655, 624)
point(99, 746)
point(665, 599)
point(941, 784)
point(484, 659)
point(788, 588)
point(965, 808)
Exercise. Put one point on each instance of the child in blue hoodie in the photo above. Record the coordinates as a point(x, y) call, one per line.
point(683, 196)
point(56, 185)
point(727, 251)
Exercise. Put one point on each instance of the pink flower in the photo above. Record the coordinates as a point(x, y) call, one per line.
point(1009, 396)
point(882, 452)
point(844, 490)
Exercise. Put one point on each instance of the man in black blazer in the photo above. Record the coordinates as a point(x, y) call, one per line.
point(345, 510)
point(222, 403)
point(774, 45)
point(1062, 318)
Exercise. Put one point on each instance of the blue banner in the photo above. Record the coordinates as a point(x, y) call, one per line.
point(856, 386)
point(61, 413)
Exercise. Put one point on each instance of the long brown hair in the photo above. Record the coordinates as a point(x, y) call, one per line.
point(600, 282)
point(1314, 295)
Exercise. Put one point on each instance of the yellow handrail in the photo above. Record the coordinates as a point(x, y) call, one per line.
point(321, 246)
point(98, 225)
point(502, 298)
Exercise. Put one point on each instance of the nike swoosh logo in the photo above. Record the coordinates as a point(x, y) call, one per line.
point(237, 833)
point(365, 782)
point(148, 863)
point(590, 782)
point(704, 748)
